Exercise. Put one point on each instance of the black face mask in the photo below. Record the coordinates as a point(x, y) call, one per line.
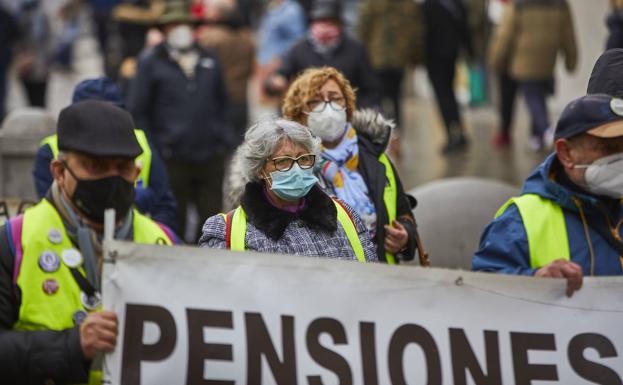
point(92, 197)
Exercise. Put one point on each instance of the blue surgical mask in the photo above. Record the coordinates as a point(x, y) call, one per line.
point(293, 184)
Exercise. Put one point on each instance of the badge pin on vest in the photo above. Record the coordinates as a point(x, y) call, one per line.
point(55, 236)
point(50, 286)
point(72, 258)
point(91, 302)
point(79, 317)
point(49, 261)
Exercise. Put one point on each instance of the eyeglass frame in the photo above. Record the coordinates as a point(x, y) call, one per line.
point(325, 102)
point(294, 160)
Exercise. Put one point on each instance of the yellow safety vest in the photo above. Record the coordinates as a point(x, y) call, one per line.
point(544, 222)
point(43, 232)
point(238, 230)
point(390, 198)
point(143, 160)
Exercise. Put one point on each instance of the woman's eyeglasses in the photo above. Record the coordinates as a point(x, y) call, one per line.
point(337, 103)
point(285, 163)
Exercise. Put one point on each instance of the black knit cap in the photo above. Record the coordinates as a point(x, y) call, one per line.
point(97, 128)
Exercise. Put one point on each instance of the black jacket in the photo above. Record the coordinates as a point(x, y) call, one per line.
point(350, 58)
point(606, 76)
point(185, 118)
point(614, 21)
point(33, 357)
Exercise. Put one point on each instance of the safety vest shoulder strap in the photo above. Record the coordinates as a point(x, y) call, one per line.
point(545, 226)
point(236, 230)
point(144, 160)
point(344, 218)
point(146, 231)
point(51, 141)
point(390, 198)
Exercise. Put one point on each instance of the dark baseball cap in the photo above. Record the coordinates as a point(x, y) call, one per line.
point(97, 128)
point(598, 115)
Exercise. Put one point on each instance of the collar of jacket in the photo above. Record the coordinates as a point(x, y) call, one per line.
point(373, 131)
point(318, 214)
point(549, 182)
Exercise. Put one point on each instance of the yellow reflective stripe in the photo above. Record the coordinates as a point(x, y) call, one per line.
point(144, 160)
point(238, 230)
point(544, 222)
point(351, 232)
point(390, 198)
point(51, 141)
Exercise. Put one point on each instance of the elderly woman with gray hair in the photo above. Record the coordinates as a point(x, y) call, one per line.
point(281, 208)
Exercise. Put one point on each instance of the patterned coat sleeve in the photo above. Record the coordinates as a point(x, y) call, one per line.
point(214, 233)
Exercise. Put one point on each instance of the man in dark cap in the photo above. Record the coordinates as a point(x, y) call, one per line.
point(566, 223)
point(153, 195)
point(51, 318)
point(328, 44)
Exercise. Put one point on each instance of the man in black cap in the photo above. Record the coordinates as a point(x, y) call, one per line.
point(566, 223)
point(51, 318)
point(328, 44)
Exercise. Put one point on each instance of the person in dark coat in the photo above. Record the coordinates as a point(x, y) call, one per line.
point(179, 99)
point(328, 44)
point(8, 35)
point(155, 199)
point(447, 33)
point(352, 165)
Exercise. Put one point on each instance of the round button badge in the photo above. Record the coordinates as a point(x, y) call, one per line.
point(79, 317)
point(91, 302)
point(55, 236)
point(72, 258)
point(50, 286)
point(49, 262)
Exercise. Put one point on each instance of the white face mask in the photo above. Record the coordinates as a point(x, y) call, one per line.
point(180, 37)
point(327, 121)
point(605, 176)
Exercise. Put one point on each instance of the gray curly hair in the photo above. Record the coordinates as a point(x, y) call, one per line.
point(260, 141)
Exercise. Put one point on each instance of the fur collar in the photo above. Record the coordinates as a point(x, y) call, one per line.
point(373, 126)
point(318, 214)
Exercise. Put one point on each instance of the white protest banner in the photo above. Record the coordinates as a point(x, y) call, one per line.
point(199, 316)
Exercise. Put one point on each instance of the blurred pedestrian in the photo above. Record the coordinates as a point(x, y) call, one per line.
point(525, 46)
point(282, 209)
point(101, 14)
point(152, 194)
point(328, 44)
point(33, 51)
point(566, 223)
point(53, 327)
point(180, 100)
point(353, 165)
point(9, 33)
point(447, 33)
point(220, 32)
point(614, 22)
point(135, 18)
point(282, 25)
point(393, 32)
point(507, 86)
